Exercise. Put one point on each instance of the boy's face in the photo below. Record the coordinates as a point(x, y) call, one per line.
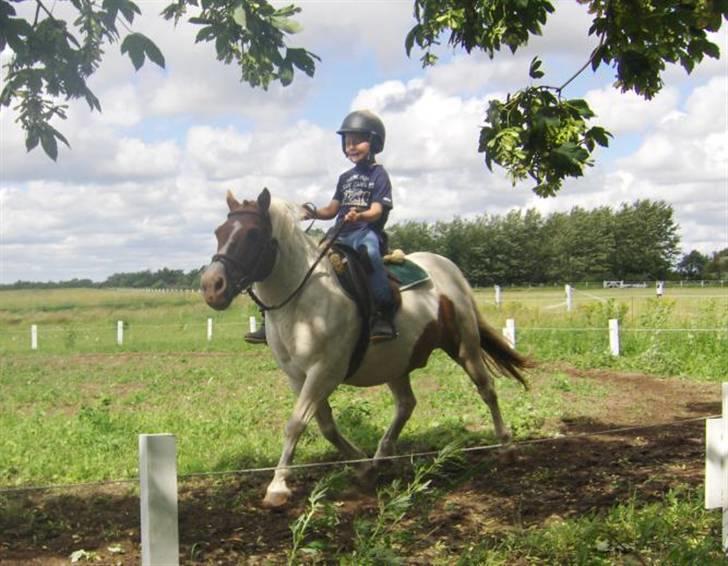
point(356, 146)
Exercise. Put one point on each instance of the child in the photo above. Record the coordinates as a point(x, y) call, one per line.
point(362, 200)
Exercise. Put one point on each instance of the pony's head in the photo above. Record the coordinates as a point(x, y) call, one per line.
point(246, 251)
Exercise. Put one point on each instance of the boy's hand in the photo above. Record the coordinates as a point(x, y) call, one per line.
point(309, 211)
point(352, 216)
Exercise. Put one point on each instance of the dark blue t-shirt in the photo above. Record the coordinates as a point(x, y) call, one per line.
point(358, 188)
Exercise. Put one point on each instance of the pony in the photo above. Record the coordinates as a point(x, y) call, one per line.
point(312, 326)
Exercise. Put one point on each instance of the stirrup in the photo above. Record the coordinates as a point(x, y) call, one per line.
point(382, 330)
point(257, 337)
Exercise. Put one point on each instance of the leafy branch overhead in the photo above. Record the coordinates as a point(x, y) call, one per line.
point(535, 132)
point(53, 58)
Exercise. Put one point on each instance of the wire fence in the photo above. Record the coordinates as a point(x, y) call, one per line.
point(341, 463)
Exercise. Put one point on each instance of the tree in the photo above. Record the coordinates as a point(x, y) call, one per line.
point(692, 265)
point(718, 264)
point(645, 240)
point(535, 132)
point(54, 58)
point(580, 244)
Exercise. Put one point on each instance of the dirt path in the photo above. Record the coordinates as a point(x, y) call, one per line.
point(221, 521)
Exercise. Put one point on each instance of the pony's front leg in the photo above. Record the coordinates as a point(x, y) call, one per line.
point(277, 493)
point(316, 389)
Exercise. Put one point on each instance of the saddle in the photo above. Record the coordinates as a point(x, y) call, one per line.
point(352, 267)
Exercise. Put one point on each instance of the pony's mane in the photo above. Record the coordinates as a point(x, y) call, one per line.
point(285, 217)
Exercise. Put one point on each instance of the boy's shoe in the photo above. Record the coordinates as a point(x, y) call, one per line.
point(257, 337)
point(382, 328)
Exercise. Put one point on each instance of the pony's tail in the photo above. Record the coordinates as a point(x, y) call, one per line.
point(499, 353)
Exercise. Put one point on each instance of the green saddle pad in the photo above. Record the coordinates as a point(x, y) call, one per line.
point(409, 274)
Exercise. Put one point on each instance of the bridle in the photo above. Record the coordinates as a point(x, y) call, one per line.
point(264, 263)
point(262, 266)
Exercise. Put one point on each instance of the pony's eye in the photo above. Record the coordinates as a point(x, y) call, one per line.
point(253, 235)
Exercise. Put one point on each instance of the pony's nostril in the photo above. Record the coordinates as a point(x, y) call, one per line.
point(219, 284)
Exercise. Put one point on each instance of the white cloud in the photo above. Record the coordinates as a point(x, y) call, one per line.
point(144, 185)
point(628, 112)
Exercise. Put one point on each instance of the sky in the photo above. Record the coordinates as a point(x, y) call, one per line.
point(143, 185)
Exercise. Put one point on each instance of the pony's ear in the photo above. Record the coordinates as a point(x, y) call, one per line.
point(232, 202)
point(264, 201)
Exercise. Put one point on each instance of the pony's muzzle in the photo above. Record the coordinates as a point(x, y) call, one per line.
point(214, 286)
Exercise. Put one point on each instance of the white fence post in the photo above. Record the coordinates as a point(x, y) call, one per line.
point(158, 498)
point(253, 324)
point(569, 297)
point(614, 336)
point(209, 329)
point(34, 337)
point(119, 332)
point(716, 465)
point(510, 332)
point(497, 295)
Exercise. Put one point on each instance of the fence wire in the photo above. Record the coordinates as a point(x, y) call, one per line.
point(341, 463)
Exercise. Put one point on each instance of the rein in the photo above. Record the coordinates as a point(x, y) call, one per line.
point(245, 283)
point(297, 290)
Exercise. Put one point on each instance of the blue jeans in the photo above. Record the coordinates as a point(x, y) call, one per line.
point(378, 278)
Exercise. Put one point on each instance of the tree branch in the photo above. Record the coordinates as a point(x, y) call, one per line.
point(41, 6)
point(584, 66)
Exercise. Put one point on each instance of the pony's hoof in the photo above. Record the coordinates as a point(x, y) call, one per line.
point(276, 499)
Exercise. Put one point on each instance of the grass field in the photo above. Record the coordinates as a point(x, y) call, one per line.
point(80, 400)
point(80, 372)
point(684, 333)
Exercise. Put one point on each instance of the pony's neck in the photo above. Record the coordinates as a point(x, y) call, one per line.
point(296, 254)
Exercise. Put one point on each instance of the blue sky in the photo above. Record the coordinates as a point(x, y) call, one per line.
point(144, 184)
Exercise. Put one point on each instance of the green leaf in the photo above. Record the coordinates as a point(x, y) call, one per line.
point(600, 135)
point(31, 139)
point(409, 41)
point(154, 53)
point(286, 74)
point(139, 46)
point(133, 44)
point(91, 99)
point(286, 25)
point(205, 34)
point(712, 50)
point(581, 106)
point(302, 60)
point(127, 8)
point(50, 146)
point(240, 17)
point(534, 70)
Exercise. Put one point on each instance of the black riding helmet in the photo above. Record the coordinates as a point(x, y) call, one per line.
point(364, 122)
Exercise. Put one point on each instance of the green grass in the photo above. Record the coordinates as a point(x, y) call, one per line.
point(673, 531)
point(227, 401)
point(71, 411)
point(82, 414)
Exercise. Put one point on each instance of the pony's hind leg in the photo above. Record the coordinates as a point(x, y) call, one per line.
point(476, 369)
point(405, 402)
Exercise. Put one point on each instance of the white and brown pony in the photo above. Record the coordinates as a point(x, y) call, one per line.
point(313, 334)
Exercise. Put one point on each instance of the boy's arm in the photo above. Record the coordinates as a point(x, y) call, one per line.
point(324, 213)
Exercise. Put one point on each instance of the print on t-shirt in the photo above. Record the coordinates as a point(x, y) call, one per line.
point(357, 190)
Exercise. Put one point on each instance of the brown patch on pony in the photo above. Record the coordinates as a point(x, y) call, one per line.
point(449, 330)
point(443, 333)
point(426, 343)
